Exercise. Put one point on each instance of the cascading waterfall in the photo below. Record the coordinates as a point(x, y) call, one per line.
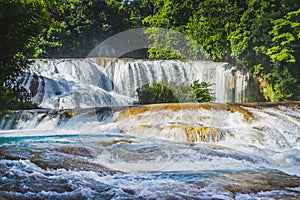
point(93, 82)
point(127, 76)
point(89, 142)
point(211, 150)
point(78, 83)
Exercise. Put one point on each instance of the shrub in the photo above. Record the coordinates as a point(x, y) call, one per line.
point(201, 91)
point(157, 93)
point(165, 92)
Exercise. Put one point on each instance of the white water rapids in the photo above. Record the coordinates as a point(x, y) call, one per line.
point(82, 83)
point(88, 141)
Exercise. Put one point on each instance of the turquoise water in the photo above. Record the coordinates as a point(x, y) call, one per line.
point(70, 167)
point(109, 159)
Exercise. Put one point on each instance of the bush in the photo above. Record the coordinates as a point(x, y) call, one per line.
point(201, 91)
point(157, 93)
point(174, 93)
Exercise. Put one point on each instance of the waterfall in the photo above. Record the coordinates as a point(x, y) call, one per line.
point(229, 150)
point(96, 82)
point(249, 123)
point(228, 83)
point(89, 141)
point(266, 129)
point(74, 83)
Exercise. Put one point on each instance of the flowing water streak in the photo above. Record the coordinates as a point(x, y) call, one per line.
point(89, 144)
point(94, 82)
point(197, 151)
point(252, 127)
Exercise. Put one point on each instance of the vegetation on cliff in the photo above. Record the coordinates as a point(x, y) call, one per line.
point(21, 23)
point(259, 35)
point(165, 92)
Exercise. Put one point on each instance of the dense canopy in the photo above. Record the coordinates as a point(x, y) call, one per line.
point(261, 36)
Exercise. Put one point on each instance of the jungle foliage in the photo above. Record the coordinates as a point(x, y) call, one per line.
point(55, 29)
point(165, 92)
point(21, 22)
point(259, 35)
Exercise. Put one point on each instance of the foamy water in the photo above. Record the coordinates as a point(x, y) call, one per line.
point(171, 151)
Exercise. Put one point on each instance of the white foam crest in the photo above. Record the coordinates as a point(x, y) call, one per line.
point(37, 132)
point(277, 194)
point(74, 83)
point(277, 126)
point(127, 76)
point(169, 166)
point(22, 168)
point(146, 157)
point(154, 124)
point(81, 83)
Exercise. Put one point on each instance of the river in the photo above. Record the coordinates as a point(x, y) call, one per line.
point(89, 142)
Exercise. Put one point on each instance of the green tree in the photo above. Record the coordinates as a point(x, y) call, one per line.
point(168, 43)
point(202, 91)
point(156, 93)
point(284, 54)
point(259, 35)
point(165, 92)
point(211, 25)
point(21, 22)
point(138, 11)
point(265, 42)
point(80, 25)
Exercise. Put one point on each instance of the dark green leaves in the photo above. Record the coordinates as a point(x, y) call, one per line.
point(156, 93)
point(174, 92)
point(259, 35)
